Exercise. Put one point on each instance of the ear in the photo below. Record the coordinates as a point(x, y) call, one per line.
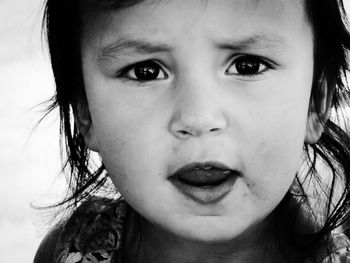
point(82, 119)
point(319, 110)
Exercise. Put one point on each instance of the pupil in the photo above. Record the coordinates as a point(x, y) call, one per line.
point(147, 71)
point(247, 67)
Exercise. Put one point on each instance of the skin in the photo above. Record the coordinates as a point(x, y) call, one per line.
point(199, 108)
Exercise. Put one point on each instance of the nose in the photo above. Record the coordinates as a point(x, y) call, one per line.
point(199, 111)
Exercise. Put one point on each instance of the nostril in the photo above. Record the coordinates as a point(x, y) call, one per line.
point(184, 128)
point(214, 130)
point(182, 132)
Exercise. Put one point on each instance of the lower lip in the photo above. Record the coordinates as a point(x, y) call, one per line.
point(208, 194)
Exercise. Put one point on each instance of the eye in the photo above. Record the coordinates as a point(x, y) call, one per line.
point(248, 65)
point(144, 71)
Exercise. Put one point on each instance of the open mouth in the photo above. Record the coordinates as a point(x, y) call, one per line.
point(205, 183)
point(207, 176)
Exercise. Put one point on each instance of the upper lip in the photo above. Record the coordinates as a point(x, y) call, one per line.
point(201, 165)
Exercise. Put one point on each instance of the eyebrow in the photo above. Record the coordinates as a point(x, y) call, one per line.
point(126, 46)
point(255, 42)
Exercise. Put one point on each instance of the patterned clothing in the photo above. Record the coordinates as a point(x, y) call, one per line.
point(95, 233)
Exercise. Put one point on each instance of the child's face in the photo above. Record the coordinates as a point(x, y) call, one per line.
point(171, 83)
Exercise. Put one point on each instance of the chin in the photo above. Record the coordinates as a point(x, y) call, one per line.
point(213, 237)
point(213, 233)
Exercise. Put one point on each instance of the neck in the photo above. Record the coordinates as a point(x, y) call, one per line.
point(156, 245)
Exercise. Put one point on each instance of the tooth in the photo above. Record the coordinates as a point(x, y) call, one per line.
point(227, 172)
point(207, 168)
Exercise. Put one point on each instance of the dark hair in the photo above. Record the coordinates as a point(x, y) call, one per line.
point(63, 28)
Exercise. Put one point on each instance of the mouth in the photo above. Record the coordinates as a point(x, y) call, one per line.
point(204, 183)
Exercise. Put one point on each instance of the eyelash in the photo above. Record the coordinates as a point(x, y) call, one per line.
point(130, 73)
point(252, 60)
point(154, 67)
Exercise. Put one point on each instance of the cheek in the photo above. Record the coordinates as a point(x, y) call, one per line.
point(276, 151)
point(131, 140)
point(124, 143)
point(277, 132)
point(127, 158)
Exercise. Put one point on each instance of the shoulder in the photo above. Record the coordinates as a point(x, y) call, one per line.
point(337, 252)
point(47, 247)
point(340, 252)
point(96, 225)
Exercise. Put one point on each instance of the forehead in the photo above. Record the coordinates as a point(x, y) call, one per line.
point(158, 19)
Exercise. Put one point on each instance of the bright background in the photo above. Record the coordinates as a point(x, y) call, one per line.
point(29, 156)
